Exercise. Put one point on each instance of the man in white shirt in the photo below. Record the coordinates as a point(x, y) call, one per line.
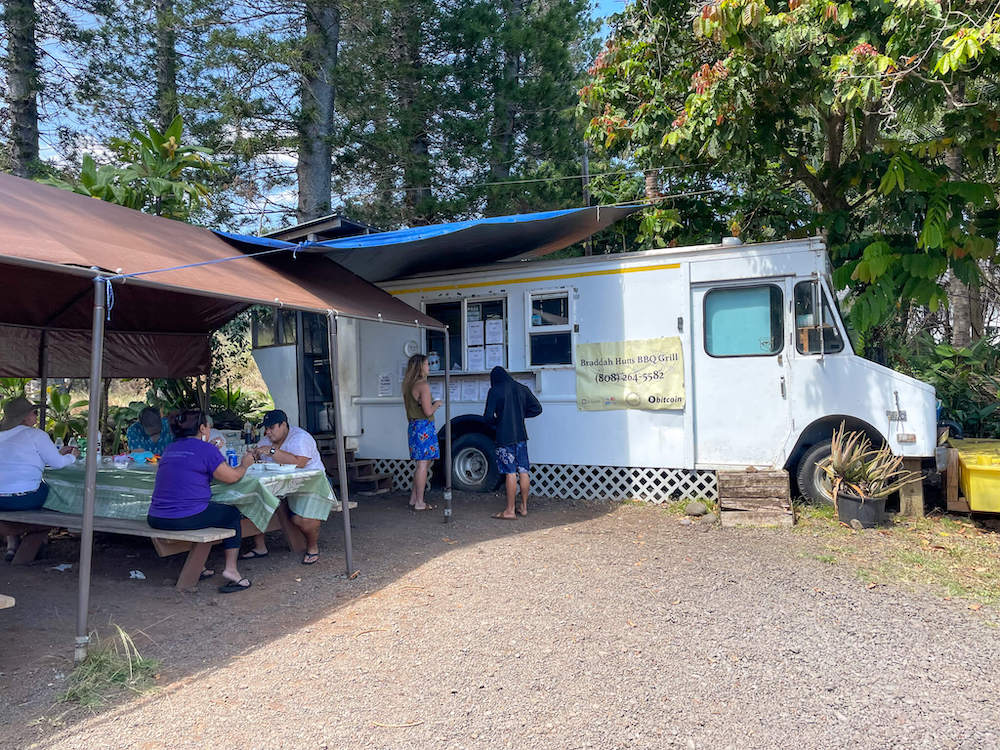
point(25, 451)
point(286, 444)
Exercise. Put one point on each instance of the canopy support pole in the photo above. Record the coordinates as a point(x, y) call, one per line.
point(90, 480)
point(43, 380)
point(338, 418)
point(447, 426)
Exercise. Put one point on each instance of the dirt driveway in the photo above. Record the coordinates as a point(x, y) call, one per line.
point(582, 626)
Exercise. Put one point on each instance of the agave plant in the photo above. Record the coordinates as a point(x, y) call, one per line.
point(856, 467)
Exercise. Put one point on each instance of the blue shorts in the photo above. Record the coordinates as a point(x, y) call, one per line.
point(423, 440)
point(513, 459)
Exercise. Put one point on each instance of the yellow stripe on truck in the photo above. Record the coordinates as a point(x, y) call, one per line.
point(534, 279)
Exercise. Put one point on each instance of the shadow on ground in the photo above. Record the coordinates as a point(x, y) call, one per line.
point(198, 632)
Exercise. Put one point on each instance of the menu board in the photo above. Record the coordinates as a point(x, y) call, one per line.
point(477, 359)
point(494, 331)
point(474, 332)
point(437, 390)
point(494, 356)
point(470, 390)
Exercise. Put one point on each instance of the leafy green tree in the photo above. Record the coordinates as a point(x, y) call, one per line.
point(853, 110)
point(153, 172)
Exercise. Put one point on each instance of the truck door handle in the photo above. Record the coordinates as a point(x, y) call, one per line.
point(783, 393)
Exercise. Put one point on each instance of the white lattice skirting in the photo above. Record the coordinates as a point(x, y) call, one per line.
point(593, 482)
point(401, 470)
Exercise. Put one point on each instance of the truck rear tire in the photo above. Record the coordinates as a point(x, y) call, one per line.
point(813, 482)
point(473, 468)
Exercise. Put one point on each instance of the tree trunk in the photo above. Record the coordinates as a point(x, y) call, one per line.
point(504, 109)
point(652, 185)
point(411, 100)
point(960, 296)
point(166, 64)
point(317, 95)
point(23, 85)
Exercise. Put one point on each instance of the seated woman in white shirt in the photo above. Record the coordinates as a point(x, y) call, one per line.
point(24, 452)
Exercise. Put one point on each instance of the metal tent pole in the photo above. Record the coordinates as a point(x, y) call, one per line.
point(90, 481)
point(338, 419)
point(43, 380)
point(447, 426)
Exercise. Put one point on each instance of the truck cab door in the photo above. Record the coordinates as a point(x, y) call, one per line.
point(741, 412)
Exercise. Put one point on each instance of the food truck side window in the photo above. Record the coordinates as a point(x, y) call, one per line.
point(449, 313)
point(744, 321)
point(272, 327)
point(807, 329)
point(550, 330)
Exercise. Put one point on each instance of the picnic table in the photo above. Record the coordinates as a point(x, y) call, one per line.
point(127, 493)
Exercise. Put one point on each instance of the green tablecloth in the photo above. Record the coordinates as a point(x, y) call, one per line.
point(127, 493)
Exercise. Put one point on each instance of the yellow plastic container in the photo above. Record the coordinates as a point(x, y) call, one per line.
point(979, 475)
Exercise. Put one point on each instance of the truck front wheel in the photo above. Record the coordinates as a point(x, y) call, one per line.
point(812, 480)
point(473, 467)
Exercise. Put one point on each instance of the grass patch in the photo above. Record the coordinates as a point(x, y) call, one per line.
point(828, 559)
point(110, 667)
point(674, 507)
point(950, 555)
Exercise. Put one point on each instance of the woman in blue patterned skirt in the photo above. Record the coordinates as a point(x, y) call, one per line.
point(420, 432)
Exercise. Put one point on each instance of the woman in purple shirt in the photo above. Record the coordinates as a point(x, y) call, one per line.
point(182, 496)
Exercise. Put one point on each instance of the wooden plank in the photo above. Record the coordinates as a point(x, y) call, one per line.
point(193, 565)
point(911, 497)
point(954, 501)
point(113, 526)
point(29, 547)
point(754, 503)
point(731, 518)
point(6, 602)
point(167, 547)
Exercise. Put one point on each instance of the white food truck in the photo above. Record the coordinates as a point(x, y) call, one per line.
point(654, 369)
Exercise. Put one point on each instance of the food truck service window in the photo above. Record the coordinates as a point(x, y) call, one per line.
point(808, 330)
point(550, 331)
point(744, 321)
point(272, 327)
point(477, 330)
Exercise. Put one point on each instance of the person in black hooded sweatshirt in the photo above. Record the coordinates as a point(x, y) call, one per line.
point(508, 404)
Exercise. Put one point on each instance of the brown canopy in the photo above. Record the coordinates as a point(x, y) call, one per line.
point(53, 243)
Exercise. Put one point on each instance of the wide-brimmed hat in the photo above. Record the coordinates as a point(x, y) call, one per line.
point(14, 412)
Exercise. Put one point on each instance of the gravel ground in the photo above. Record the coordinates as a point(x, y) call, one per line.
point(582, 626)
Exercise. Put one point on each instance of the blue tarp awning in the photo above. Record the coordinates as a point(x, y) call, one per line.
point(461, 244)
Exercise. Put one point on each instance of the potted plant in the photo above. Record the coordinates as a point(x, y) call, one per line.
point(862, 477)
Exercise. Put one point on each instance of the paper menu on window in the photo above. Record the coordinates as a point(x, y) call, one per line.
point(454, 391)
point(470, 390)
point(494, 332)
point(494, 356)
point(474, 332)
point(477, 359)
point(484, 390)
point(437, 390)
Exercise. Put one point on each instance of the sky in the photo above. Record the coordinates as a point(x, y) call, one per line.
point(604, 8)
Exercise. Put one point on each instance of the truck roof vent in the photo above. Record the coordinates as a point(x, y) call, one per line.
point(731, 241)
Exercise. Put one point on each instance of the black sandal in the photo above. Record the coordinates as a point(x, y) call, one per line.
point(234, 586)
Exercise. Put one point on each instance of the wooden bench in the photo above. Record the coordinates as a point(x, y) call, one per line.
point(35, 524)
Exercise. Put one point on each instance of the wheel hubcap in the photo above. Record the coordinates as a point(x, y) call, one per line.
point(823, 483)
point(471, 466)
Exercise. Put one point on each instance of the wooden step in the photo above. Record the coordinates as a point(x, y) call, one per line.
point(376, 484)
point(755, 498)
